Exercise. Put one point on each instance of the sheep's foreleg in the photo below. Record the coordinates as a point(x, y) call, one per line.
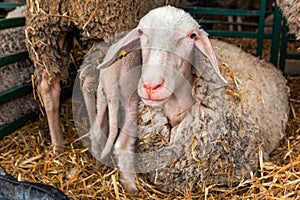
point(50, 96)
point(124, 148)
point(125, 158)
point(89, 99)
point(113, 108)
point(98, 128)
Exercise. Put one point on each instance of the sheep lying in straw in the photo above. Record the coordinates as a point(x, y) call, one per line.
point(192, 127)
point(227, 131)
point(291, 11)
point(51, 25)
point(12, 75)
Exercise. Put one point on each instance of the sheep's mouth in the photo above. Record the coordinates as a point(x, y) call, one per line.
point(154, 102)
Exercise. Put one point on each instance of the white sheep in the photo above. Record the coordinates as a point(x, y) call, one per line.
point(163, 41)
point(189, 91)
point(152, 82)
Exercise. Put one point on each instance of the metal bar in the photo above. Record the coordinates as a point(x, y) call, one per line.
point(203, 21)
point(261, 25)
point(232, 33)
point(19, 122)
point(237, 34)
point(15, 92)
point(13, 57)
point(284, 40)
point(218, 11)
point(293, 56)
point(10, 5)
point(23, 119)
point(276, 35)
point(12, 22)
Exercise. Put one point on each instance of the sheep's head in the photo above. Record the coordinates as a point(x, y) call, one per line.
point(166, 36)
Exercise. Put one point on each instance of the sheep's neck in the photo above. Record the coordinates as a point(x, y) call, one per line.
point(178, 105)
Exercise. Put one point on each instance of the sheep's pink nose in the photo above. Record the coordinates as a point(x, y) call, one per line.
point(151, 87)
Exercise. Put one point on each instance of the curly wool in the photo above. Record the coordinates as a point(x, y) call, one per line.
point(291, 11)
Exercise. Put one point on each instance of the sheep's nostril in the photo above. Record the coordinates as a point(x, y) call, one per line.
point(151, 87)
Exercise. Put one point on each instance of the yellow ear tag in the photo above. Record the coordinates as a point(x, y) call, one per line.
point(122, 54)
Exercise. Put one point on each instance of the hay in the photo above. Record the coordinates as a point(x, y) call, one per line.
point(26, 155)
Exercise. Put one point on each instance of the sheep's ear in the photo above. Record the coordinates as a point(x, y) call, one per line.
point(130, 42)
point(203, 44)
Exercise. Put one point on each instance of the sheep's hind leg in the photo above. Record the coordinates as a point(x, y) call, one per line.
point(51, 96)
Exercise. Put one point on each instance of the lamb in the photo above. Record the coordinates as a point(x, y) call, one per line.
point(210, 131)
point(290, 10)
point(111, 90)
point(51, 27)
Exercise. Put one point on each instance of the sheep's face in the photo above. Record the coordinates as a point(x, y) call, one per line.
point(166, 37)
point(166, 63)
point(167, 40)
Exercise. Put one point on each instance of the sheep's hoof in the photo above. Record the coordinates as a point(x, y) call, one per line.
point(58, 149)
point(128, 182)
point(106, 151)
point(130, 189)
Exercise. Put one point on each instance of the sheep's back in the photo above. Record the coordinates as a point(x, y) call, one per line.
point(263, 91)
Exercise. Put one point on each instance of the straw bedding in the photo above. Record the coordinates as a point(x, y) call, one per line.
point(26, 155)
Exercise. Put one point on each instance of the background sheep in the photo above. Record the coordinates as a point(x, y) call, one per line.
point(51, 25)
point(290, 9)
point(12, 75)
point(220, 137)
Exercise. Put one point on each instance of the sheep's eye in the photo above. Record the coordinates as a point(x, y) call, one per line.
point(193, 35)
point(140, 31)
